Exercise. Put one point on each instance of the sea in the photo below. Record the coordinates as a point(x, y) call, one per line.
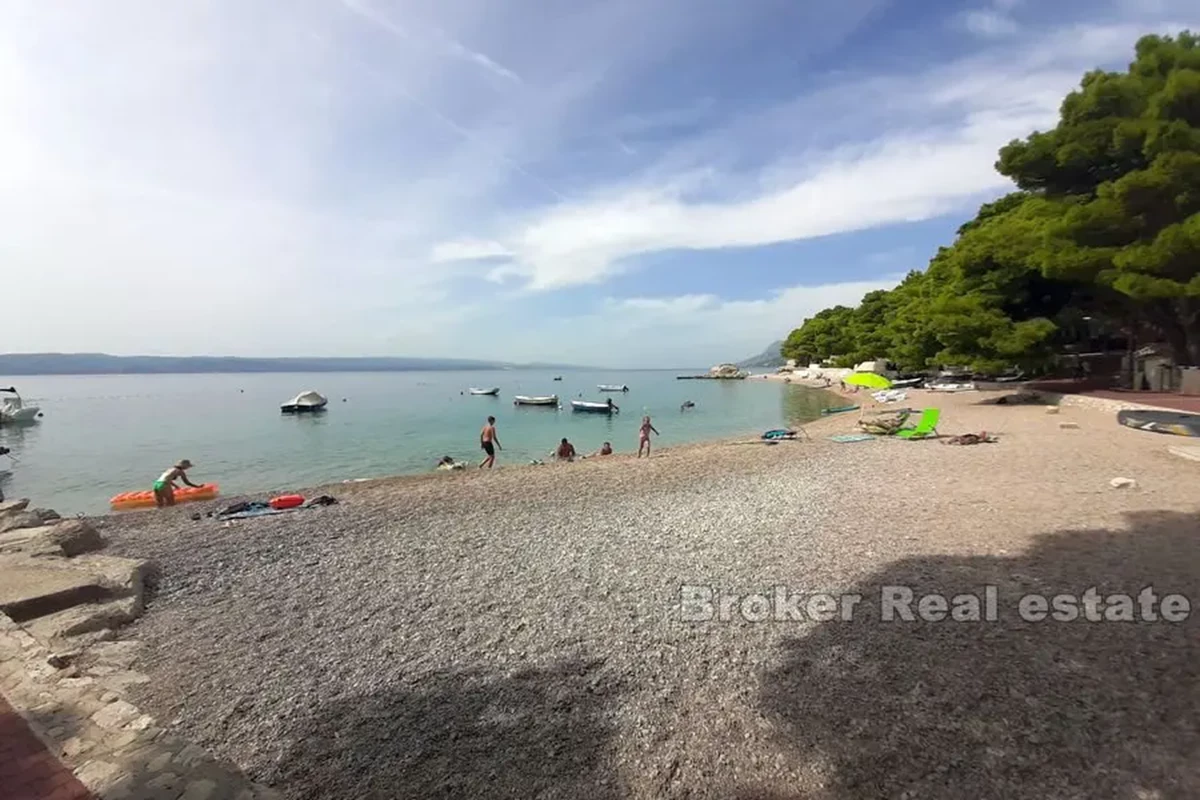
point(101, 435)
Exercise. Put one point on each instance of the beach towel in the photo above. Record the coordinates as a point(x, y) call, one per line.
point(851, 437)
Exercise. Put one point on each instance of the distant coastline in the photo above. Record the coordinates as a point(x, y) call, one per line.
point(103, 364)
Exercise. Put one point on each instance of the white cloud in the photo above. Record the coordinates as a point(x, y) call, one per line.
point(469, 250)
point(336, 177)
point(687, 330)
point(945, 129)
point(990, 23)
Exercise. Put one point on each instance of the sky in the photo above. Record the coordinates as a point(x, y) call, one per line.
point(626, 183)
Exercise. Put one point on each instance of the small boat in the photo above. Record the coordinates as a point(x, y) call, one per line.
point(14, 412)
point(305, 403)
point(608, 387)
point(485, 392)
point(1172, 422)
point(951, 387)
point(594, 408)
point(907, 383)
point(145, 499)
point(558, 377)
point(838, 409)
point(546, 400)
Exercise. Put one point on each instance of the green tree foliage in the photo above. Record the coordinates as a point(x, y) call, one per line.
point(1120, 175)
point(1106, 222)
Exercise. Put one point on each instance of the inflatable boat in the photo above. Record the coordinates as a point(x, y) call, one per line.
point(187, 494)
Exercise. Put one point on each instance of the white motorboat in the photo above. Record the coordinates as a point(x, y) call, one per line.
point(14, 412)
point(484, 392)
point(594, 408)
point(608, 387)
point(951, 387)
point(305, 403)
point(545, 400)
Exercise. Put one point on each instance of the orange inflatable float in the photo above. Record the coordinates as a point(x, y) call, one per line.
point(128, 500)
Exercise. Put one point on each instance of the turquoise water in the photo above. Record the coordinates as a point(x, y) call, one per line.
point(106, 434)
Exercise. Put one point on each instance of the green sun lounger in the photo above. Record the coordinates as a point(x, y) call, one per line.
point(926, 425)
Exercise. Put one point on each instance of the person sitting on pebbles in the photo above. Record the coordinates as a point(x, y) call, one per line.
point(164, 487)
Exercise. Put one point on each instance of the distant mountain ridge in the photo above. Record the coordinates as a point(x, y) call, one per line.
point(770, 358)
point(103, 364)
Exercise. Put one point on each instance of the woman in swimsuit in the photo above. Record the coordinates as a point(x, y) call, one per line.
point(644, 436)
point(164, 487)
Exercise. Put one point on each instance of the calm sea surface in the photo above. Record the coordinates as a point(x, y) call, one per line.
point(102, 435)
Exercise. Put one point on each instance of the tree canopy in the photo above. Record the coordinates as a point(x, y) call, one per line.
point(1105, 222)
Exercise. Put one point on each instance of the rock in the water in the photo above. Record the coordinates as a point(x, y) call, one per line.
point(47, 514)
point(1123, 483)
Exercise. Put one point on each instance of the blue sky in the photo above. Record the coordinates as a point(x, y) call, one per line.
point(611, 182)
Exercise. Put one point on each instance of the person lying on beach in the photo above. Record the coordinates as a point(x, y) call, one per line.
point(164, 487)
point(644, 436)
point(489, 442)
point(565, 451)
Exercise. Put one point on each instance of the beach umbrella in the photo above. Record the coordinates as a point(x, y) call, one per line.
point(869, 380)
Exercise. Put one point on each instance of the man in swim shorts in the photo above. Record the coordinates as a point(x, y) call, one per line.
point(644, 436)
point(489, 443)
point(164, 487)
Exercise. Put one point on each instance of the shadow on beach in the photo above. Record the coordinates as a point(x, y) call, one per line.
point(538, 733)
point(1012, 708)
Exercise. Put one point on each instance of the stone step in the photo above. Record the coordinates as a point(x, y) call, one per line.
point(54, 629)
point(29, 590)
point(66, 538)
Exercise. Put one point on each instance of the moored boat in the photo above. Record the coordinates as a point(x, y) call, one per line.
point(588, 406)
point(305, 403)
point(485, 392)
point(609, 387)
point(544, 400)
point(14, 412)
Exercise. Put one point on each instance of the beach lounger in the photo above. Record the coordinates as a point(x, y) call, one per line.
point(926, 425)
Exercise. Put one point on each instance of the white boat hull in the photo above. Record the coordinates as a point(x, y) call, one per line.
point(607, 388)
point(522, 400)
point(593, 408)
point(484, 392)
point(19, 416)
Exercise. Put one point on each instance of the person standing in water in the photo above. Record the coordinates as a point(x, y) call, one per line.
point(164, 487)
point(489, 442)
point(644, 436)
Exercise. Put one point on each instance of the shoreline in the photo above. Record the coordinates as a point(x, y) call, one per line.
point(524, 626)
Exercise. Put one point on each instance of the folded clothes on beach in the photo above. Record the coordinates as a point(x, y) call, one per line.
point(851, 437)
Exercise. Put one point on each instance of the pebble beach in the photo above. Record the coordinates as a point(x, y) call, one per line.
point(519, 633)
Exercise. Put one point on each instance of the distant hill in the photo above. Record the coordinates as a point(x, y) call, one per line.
point(770, 358)
point(101, 364)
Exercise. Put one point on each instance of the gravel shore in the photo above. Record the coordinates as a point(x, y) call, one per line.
point(518, 634)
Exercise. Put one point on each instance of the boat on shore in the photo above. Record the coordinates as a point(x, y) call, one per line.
point(608, 387)
point(309, 402)
point(13, 410)
point(1171, 422)
point(494, 391)
point(838, 410)
point(587, 406)
point(550, 400)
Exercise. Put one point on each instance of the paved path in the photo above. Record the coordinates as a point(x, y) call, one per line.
point(28, 771)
